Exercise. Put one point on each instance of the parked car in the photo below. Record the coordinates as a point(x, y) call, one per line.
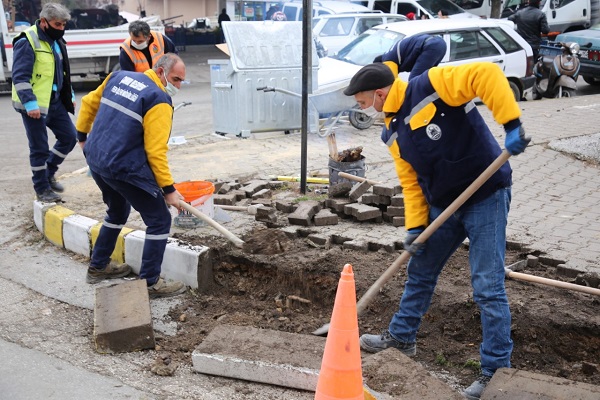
point(589, 52)
point(335, 31)
point(293, 9)
point(467, 40)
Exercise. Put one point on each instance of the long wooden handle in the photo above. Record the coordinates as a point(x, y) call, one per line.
point(368, 297)
point(357, 178)
point(550, 282)
point(230, 236)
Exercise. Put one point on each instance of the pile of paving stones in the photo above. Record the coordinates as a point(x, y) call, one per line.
point(362, 202)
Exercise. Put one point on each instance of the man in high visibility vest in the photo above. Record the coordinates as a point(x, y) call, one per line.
point(42, 94)
point(143, 48)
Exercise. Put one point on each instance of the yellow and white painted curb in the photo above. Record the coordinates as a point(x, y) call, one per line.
point(64, 228)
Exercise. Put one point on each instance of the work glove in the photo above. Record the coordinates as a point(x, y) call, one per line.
point(516, 140)
point(416, 249)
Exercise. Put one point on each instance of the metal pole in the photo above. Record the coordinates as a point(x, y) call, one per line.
point(307, 6)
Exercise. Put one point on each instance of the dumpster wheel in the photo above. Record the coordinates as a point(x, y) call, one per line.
point(360, 120)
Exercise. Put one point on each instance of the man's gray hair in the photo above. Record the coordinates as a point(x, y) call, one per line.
point(167, 62)
point(139, 27)
point(55, 12)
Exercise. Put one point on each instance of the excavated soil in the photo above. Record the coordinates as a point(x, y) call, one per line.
point(288, 284)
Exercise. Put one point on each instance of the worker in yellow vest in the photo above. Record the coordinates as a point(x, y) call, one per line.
point(42, 94)
point(143, 48)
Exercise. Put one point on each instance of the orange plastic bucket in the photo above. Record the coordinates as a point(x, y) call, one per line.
point(194, 190)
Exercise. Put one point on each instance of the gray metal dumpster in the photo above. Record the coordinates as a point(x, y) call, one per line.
point(262, 54)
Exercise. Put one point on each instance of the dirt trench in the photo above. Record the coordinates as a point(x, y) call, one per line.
point(288, 284)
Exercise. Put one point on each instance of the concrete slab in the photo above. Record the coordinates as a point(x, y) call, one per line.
point(404, 378)
point(122, 319)
point(261, 355)
point(510, 384)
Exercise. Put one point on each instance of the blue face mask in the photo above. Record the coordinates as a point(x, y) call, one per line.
point(170, 88)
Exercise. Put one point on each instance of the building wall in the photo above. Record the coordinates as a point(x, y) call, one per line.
point(188, 9)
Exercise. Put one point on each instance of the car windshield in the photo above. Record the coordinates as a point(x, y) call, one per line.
point(433, 6)
point(366, 47)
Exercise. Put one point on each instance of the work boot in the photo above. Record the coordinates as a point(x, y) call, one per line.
point(474, 391)
point(48, 196)
point(377, 343)
point(55, 186)
point(165, 289)
point(111, 271)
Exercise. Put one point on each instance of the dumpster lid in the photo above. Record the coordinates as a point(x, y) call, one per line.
point(265, 44)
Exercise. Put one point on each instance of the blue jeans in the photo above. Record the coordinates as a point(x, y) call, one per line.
point(120, 196)
point(484, 223)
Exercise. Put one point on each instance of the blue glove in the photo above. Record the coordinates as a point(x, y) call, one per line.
point(516, 141)
point(414, 248)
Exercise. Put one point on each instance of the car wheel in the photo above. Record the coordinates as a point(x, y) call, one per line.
point(590, 80)
point(515, 89)
point(360, 120)
point(566, 92)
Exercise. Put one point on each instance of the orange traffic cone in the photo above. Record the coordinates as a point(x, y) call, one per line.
point(341, 371)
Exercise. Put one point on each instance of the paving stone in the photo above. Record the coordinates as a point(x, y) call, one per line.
point(304, 213)
point(254, 186)
point(564, 270)
point(338, 204)
point(358, 245)
point(398, 221)
point(264, 202)
point(228, 199)
point(365, 212)
point(340, 190)
point(261, 355)
point(265, 214)
point(262, 194)
point(122, 318)
point(239, 194)
point(225, 188)
point(318, 239)
point(276, 184)
point(395, 211)
point(510, 384)
point(359, 190)
point(351, 209)
point(218, 185)
point(325, 217)
point(285, 206)
point(397, 200)
point(532, 261)
point(384, 190)
point(369, 198)
point(384, 200)
point(339, 239)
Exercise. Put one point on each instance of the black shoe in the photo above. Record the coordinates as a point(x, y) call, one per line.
point(48, 196)
point(377, 343)
point(111, 271)
point(55, 186)
point(474, 391)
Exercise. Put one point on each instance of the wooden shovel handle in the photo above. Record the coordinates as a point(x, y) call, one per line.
point(230, 236)
point(367, 298)
point(357, 178)
point(551, 282)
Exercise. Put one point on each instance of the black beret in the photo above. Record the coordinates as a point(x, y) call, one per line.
point(370, 77)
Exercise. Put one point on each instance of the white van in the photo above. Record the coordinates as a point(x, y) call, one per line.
point(293, 9)
point(429, 8)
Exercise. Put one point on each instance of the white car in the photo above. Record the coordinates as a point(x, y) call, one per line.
point(467, 40)
point(334, 31)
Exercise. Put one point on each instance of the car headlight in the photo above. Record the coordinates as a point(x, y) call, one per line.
point(574, 47)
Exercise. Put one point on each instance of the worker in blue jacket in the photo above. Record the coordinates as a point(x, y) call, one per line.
point(414, 54)
point(442, 145)
point(124, 127)
point(42, 94)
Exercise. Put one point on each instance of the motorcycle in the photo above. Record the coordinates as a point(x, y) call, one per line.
point(556, 70)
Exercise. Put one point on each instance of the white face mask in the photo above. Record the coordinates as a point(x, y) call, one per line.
point(372, 111)
point(170, 88)
point(140, 46)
